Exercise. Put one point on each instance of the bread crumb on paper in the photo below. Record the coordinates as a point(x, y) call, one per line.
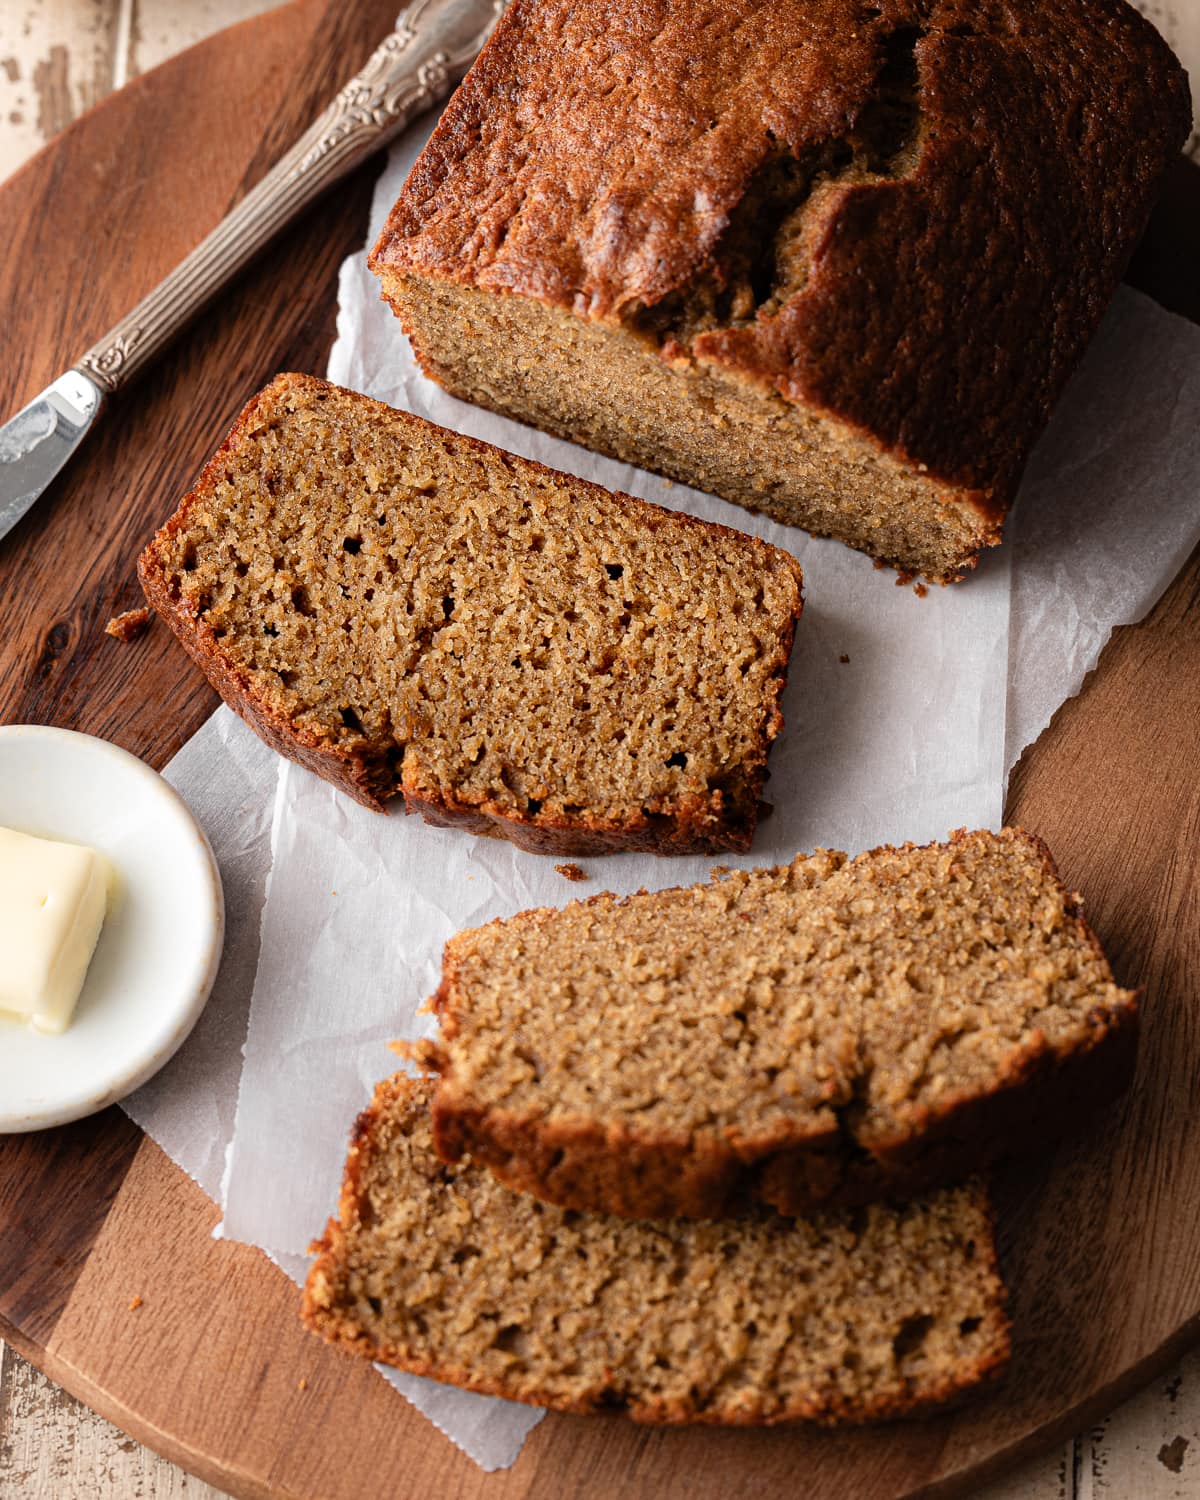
point(571, 872)
point(134, 1304)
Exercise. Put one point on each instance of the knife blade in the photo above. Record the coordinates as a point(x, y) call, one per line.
point(417, 64)
point(37, 442)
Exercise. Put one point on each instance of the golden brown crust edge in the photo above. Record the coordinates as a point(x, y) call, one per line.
point(687, 826)
point(1042, 1092)
point(320, 1313)
point(358, 776)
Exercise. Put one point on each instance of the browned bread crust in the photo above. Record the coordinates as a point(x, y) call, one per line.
point(1032, 1089)
point(973, 178)
point(441, 1272)
point(372, 767)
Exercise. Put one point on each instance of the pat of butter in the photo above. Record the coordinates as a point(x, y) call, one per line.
point(52, 903)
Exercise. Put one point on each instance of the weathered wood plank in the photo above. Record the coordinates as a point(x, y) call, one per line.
point(56, 60)
point(1150, 1447)
point(52, 1447)
point(161, 28)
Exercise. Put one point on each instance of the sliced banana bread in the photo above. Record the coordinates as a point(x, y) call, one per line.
point(832, 261)
point(874, 1313)
point(832, 1031)
point(402, 609)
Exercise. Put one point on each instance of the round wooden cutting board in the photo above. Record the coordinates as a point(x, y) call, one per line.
point(212, 1369)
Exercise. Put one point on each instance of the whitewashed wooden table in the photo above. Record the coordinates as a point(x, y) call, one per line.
point(58, 57)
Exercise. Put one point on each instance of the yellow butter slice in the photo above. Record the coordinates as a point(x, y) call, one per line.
point(53, 899)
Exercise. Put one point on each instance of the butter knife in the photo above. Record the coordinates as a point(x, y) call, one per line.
point(433, 45)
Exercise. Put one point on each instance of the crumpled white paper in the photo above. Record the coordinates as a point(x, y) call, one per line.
point(905, 740)
point(1109, 510)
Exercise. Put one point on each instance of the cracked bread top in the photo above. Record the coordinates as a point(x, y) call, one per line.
point(908, 215)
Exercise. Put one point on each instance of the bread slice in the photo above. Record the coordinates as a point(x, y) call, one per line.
point(875, 1313)
point(832, 261)
point(402, 609)
point(832, 1031)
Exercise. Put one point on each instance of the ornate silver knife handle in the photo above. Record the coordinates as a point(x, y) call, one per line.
point(434, 43)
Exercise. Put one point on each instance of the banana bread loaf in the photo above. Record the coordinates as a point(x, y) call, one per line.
point(848, 1318)
point(832, 1031)
point(832, 261)
point(403, 609)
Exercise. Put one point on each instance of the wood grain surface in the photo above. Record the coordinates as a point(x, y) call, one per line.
point(212, 1368)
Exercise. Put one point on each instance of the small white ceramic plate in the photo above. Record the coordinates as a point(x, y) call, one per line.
point(161, 942)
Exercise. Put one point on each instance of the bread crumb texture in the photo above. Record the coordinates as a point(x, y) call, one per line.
point(845, 1318)
point(405, 609)
point(836, 1029)
point(129, 626)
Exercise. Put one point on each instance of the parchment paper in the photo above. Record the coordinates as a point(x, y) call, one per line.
point(227, 776)
point(906, 740)
point(1109, 510)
